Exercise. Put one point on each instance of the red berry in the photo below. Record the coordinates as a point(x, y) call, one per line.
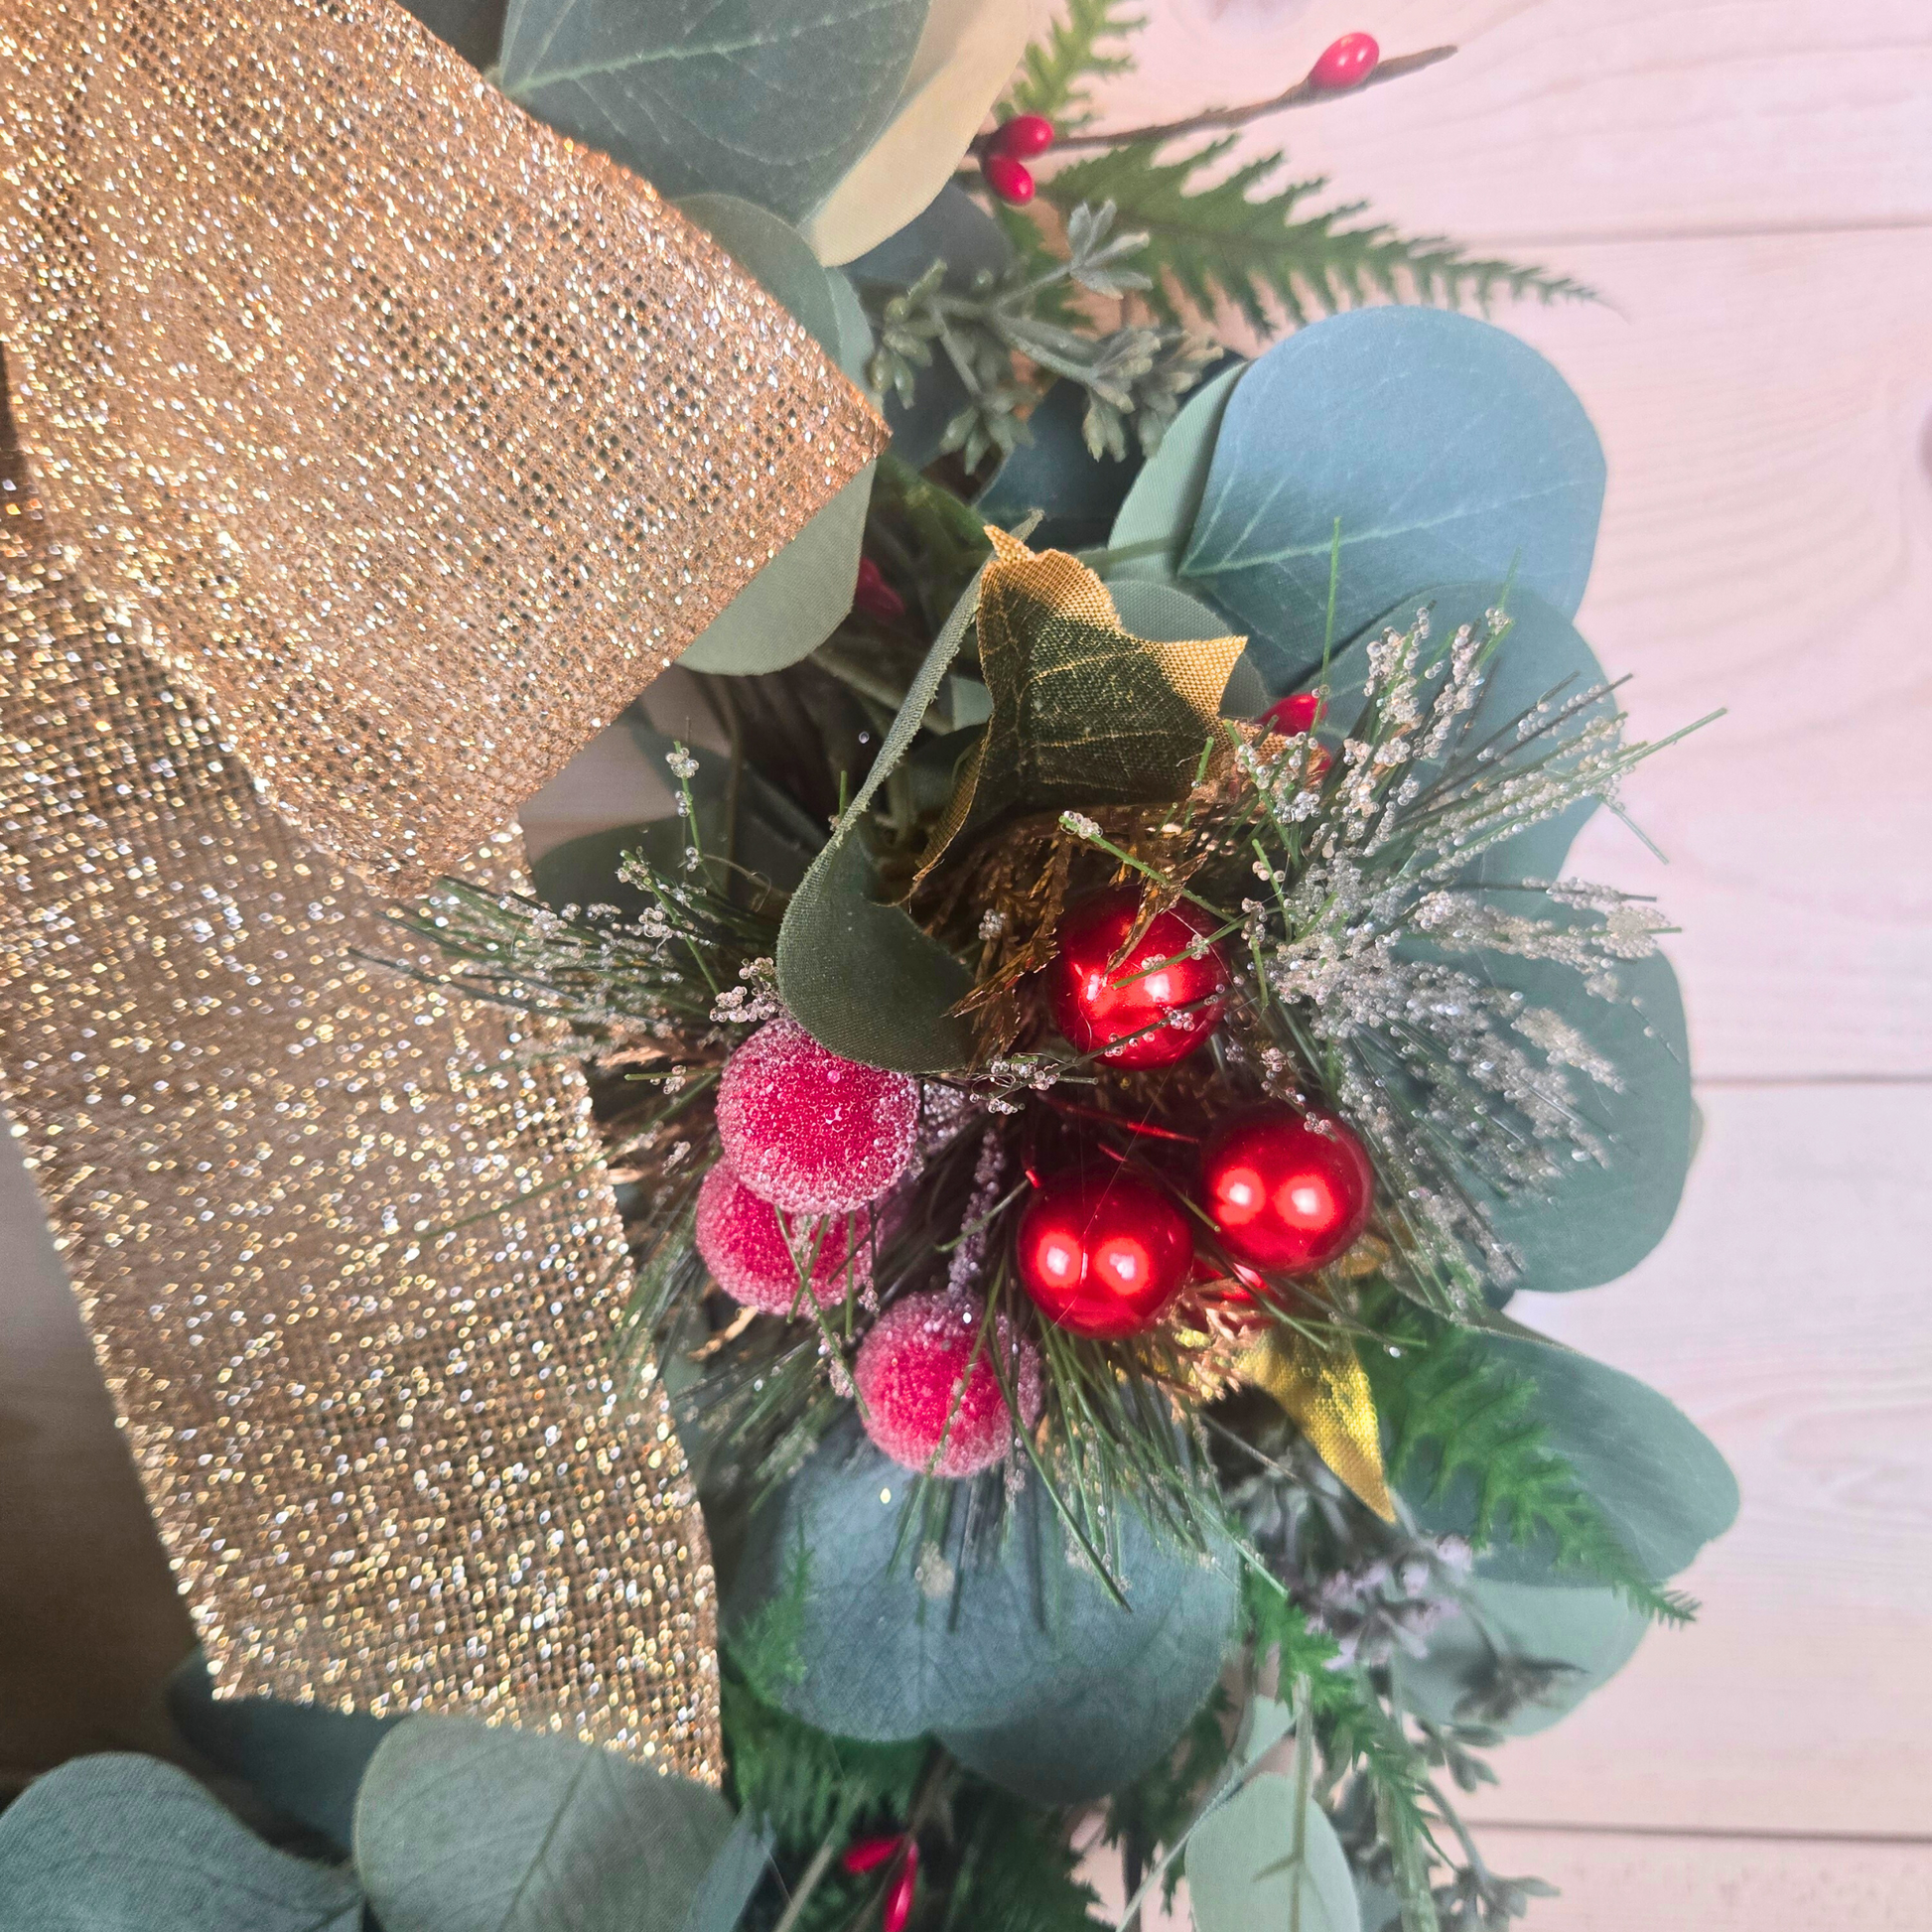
point(811, 1132)
point(1100, 999)
point(743, 1243)
point(869, 1854)
point(1346, 63)
point(1298, 713)
point(1287, 1193)
point(1103, 1252)
point(874, 596)
point(1010, 180)
point(1024, 136)
point(928, 1391)
point(899, 1902)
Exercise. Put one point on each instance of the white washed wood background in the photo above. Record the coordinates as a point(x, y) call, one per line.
point(1749, 184)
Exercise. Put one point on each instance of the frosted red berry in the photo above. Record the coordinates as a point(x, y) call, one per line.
point(809, 1131)
point(1287, 1193)
point(874, 596)
point(928, 1391)
point(1102, 1253)
point(745, 1244)
point(899, 1902)
point(1024, 137)
point(1150, 1008)
point(1345, 62)
point(1010, 180)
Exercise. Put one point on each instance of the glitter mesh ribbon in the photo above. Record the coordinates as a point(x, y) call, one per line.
point(422, 437)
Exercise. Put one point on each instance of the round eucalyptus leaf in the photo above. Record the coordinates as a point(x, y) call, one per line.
point(1158, 515)
point(1242, 1873)
point(460, 1826)
point(1445, 448)
point(1055, 471)
point(861, 978)
point(770, 99)
point(1659, 1480)
point(966, 54)
point(855, 328)
point(776, 255)
point(1518, 1656)
point(306, 1760)
point(126, 1844)
point(1018, 1658)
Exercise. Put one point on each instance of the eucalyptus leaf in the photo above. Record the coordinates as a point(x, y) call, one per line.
point(306, 1760)
point(776, 255)
point(1241, 1868)
point(474, 28)
point(770, 99)
point(1447, 449)
point(854, 329)
point(1053, 471)
point(460, 1826)
point(1018, 1658)
point(1519, 1656)
point(1156, 520)
point(965, 56)
point(1659, 1480)
point(126, 1844)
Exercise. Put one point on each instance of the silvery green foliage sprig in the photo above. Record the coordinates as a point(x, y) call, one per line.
point(1134, 375)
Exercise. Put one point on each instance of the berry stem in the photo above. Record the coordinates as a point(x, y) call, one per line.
point(1304, 94)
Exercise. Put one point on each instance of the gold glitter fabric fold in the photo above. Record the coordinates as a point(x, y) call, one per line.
point(420, 438)
point(346, 1247)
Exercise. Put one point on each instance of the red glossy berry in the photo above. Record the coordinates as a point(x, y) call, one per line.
point(809, 1131)
point(744, 1244)
point(1099, 1001)
point(1024, 136)
point(1347, 62)
point(874, 596)
point(1300, 712)
point(928, 1391)
point(899, 1902)
point(869, 1854)
point(1103, 1252)
point(1010, 180)
point(1287, 1193)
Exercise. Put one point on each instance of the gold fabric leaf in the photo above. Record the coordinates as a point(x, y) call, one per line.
point(1324, 1389)
point(1084, 714)
point(420, 439)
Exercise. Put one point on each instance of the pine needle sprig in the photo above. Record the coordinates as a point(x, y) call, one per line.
point(1084, 46)
point(1245, 240)
point(1453, 1410)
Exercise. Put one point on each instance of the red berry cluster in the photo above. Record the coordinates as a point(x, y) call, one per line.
point(1015, 143)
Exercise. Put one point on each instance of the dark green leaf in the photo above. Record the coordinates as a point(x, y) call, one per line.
point(460, 1826)
point(1519, 1657)
point(870, 1640)
point(1446, 449)
point(124, 1843)
point(770, 99)
point(474, 28)
point(307, 1761)
point(1055, 471)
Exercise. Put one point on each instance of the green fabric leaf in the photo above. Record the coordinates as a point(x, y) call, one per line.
point(770, 99)
point(1055, 471)
point(1241, 1869)
point(862, 979)
point(307, 1761)
point(1656, 1479)
point(1166, 497)
point(1448, 451)
point(126, 1844)
point(1518, 1656)
point(461, 1825)
point(997, 1653)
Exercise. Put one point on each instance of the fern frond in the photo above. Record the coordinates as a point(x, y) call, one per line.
point(1453, 1408)
point(1225, 243)
point(1077, 49)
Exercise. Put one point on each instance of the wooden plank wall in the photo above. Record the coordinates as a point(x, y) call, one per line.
point(1751, 186)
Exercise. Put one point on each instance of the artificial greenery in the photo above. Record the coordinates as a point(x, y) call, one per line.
point(1085, 46)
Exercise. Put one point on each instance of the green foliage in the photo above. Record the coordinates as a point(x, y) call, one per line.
point(1219, 241)
point(1451, 1408)
point(1082, 47)
point(1017, 1873)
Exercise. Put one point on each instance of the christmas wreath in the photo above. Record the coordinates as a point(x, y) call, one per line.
point(1094, 1070)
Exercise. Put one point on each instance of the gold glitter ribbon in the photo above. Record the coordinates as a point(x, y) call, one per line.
point(420, 438)
point(388, 444)
point(1324, 1389)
